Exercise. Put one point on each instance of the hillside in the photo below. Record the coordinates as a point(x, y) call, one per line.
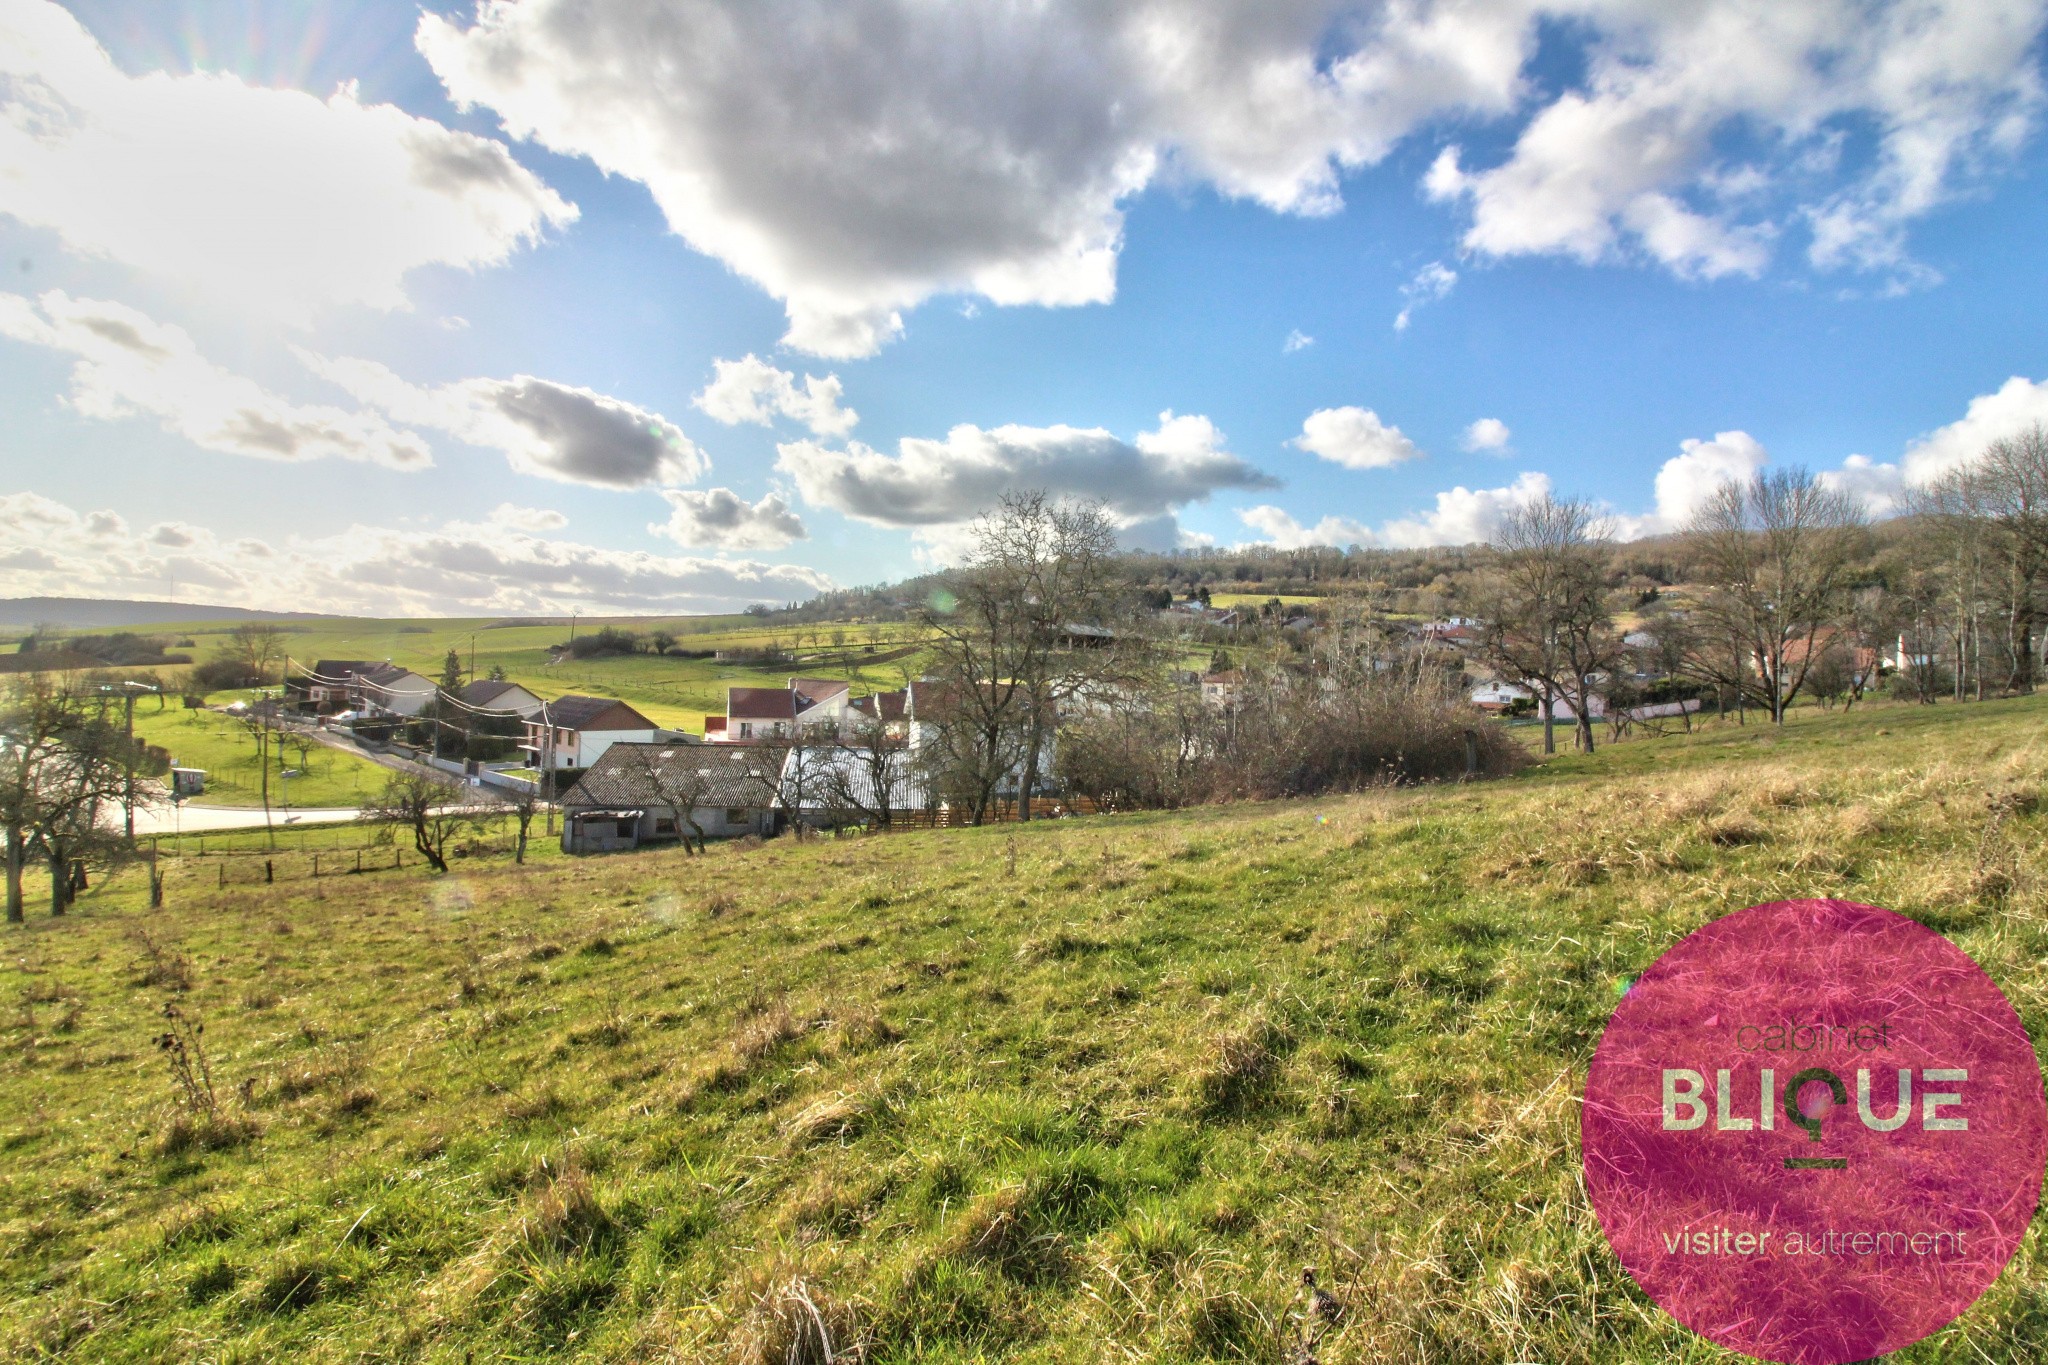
point(1084, 1090)
point(97, 613)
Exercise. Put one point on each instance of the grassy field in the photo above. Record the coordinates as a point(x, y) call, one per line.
point(1088, 1090)
point(670, 690)
point(219, 744)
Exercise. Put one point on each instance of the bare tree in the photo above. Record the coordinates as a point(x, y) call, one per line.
point(433, 809)
point(524, 802)
point(63, 765)
point(2008, 489)
point(1776, 553)
point(1545, 618)
point(258, 646)
point(1033, 625)
point(872, 775)
point(673, 778)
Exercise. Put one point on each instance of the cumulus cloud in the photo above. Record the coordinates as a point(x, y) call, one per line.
point(272, 199)
point(1461, 516)
point(129, 365)
point(1281, 529)
point(1489, 434)
point(1297, 340)
point(1431, 283)
point(932, 484)
point(856, 161)
point(720, 519)
point(456, 569)
point(1689, 478)
point(751, 390)
point(1636, 159)
point(556, 431)
point(1879, 488)
point(2010, 409)
point(527, 518)
point(1355, 438)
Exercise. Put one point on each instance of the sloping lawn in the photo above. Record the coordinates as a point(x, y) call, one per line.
point(1086, 1090)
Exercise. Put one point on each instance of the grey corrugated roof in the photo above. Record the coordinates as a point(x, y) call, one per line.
point(626, 776)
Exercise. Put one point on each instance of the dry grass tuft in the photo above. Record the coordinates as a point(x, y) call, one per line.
point(796, 1322)
point(566, 1217)
point(1241, 1065)
point(837, 1116)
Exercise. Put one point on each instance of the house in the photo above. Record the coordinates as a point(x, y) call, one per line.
point(629, 798)
point(817, 707)
point(574, 732)
point(495, 694)
point(1498, 696)
point(1224, 690)
point(892, 709)
point(755, 713)
point(377, 687)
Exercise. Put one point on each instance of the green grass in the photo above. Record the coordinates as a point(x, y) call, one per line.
point(1087, 1090)
point(670, 690)
point(1259, 599)
point(219, 744)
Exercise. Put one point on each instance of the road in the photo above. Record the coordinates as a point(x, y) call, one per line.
point(195, 819)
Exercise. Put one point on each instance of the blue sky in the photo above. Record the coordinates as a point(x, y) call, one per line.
point(473, 337)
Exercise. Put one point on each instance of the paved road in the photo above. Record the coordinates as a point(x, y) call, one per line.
point(194, 819)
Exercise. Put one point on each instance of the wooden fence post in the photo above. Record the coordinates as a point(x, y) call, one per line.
point(269, 872)
point(222, 869)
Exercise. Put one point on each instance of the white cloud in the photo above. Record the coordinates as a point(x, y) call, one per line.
point(271, 199)
point(556, 431)
point(1355, 438)
point(1431, 283)
point(456, 569)
point(1283, 530)
point(932, 483)
point(2013, 407)
point(1635, 159)
point(720, 519)
point(129, 365)
point(527, 518)
point(1462, 516)
point(856, 161)
point(751, 390)
point(1879, 488)
point(1689, 478)
point(1489, 434)
point(1297, 340)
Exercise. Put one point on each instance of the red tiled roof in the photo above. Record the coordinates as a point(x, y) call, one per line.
point(760, 703)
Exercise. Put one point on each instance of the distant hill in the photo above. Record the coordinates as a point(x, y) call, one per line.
point(82, 612)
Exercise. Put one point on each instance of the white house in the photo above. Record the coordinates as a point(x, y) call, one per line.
point(574, 732)
point(495, 694)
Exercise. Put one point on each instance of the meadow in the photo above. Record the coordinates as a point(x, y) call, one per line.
point(671, 690)
point(217, 742)
point(1083, 1090)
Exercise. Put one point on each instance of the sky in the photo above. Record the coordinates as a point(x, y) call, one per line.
point(533, 306)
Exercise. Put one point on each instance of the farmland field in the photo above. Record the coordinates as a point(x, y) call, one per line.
point(670, 690)
point(1083, 1090)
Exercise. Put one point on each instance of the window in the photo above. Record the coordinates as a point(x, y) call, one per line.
point(736, 815)
point(746, 729)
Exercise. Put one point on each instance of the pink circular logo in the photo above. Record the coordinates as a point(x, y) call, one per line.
point(1814, 1132)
